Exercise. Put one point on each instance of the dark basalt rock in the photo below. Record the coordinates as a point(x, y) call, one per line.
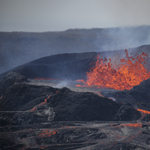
point(65, 104)
point(147, 118)
point(141, 91)
point(138, 96)
point(10, 79)
point(72, 135)
point(9, 144)
point(126, 146)
point(82, 106)
point(21, 97)
point(127, 113)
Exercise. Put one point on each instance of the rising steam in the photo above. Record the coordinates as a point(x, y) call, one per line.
point(19, 48)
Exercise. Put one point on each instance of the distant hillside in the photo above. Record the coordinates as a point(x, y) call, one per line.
point(17, 48)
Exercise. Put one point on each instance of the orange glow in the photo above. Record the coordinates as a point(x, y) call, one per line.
point(47, 133)
point(56, 92)
point(33, 109)
point(43, 147)
point(81, 80)
point(128, 73)
point(45, 101)
point(143, 111)
point(78, 85)
point(137, 125)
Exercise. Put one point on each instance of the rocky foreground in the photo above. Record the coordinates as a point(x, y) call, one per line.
point(34, 117)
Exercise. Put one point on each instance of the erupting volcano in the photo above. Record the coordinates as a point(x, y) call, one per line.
point(37, 112)
point(130, 72)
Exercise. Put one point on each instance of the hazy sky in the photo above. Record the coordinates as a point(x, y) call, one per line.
point(59, 15)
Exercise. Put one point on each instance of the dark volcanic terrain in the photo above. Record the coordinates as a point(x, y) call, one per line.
point(42, 117)
point(38, 112)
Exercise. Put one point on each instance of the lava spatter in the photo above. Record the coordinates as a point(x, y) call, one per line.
point(128, 73)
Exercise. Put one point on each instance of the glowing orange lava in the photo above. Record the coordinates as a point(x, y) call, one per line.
point(47, 133)
point(43, 147)
point(136, 125)
point(128, 73)
point(45, 101)
point(144, 111)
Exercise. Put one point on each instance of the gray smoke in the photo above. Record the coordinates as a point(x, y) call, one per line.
point(17, 48)
point(123, 38)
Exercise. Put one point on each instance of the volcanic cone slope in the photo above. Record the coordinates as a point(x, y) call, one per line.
point(67, 105)
point(62, 66)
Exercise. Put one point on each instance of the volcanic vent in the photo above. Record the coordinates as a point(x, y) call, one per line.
point(107, 74)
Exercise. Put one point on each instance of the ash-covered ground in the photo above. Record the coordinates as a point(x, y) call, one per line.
point(43, 114)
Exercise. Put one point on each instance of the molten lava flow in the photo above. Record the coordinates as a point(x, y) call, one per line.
point(136, 125)
point(128, 73)
point(47, 133)
point(43, 147)
point(143, 113)
point(56, 92)
point(45, 101)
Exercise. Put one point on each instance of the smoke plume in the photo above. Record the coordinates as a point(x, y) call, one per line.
point(17, 48)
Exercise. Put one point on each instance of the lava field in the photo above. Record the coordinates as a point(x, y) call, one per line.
point(42, 108)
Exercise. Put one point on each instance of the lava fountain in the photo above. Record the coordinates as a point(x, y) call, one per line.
point(128, 73)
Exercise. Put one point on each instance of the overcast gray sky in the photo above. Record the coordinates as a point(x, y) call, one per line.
point(59, 15)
